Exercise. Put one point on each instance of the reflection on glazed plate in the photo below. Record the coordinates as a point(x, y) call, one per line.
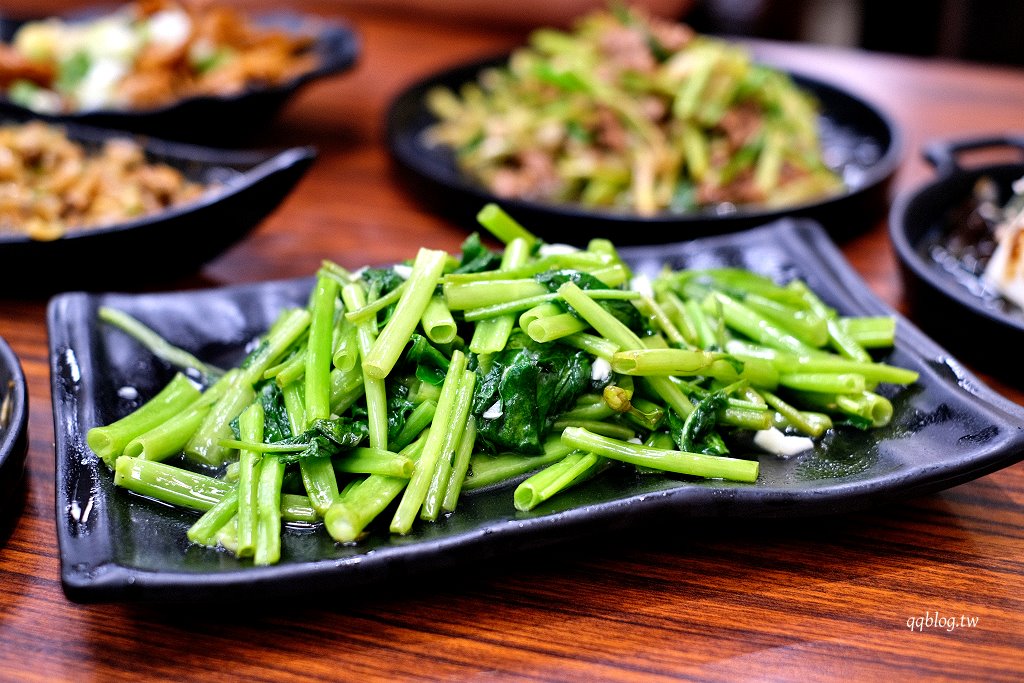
point(948, 428)
point(247, 185)
point(859, 140)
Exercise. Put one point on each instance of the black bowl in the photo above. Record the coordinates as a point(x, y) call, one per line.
point(221, 120)
point(169, 243)
point(861, 142)
point(13, 435)
point(946, 302)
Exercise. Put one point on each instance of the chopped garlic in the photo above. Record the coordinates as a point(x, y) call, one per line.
point(494, 412)
point(773, 441)
point(600, 370)
point(642, 284)
point(556, 249)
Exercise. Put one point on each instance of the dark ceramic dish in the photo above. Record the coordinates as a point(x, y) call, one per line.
point(251, 185)
point(948, 428)
point(860, 142)
point(944, 301)
point(13, 435)
point(220, 120)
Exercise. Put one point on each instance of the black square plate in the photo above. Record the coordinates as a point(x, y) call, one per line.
point(948, 428)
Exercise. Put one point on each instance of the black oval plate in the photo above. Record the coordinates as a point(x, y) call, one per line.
point(220, 120)
point(859, 140)
point(13, 436)
point(947, 302)
point(114, 546)
point(172, 242)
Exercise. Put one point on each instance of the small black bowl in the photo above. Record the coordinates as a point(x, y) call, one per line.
point(228, 120)
point(13, 436)
point(252, 183)
point(947, 303)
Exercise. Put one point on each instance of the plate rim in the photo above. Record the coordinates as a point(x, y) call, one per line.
point(89, 574)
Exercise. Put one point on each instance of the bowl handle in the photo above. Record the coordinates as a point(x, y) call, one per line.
point(942, 154)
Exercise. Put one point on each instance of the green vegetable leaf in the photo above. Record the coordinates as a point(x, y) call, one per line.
point(422, 352)
point(380, 281)
point(326, 438)
point(316, 447)
point(430, 375)
point(345, 432)
point(276, 426)
point(625, 311)
point(532, 383)
point(476, 257)
point(399, 408)
point(697, 433)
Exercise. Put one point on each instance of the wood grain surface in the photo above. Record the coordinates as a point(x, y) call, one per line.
point(819, 599)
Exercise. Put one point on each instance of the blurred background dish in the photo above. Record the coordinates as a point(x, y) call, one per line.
point(944, 235)
point(860, 142)
point(13, 436)
point(229, 193)
point(201, 75)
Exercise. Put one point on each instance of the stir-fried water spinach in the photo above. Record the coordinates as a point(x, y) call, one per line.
point(393, 393)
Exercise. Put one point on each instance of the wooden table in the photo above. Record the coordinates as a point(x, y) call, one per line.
point(810, 599)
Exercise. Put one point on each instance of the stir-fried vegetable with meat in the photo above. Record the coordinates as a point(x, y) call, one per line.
point(51, 185)
point(635, 113)
point(146, 54)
